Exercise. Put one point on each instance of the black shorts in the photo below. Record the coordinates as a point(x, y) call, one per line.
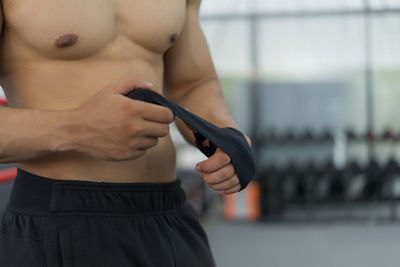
point(64, 223)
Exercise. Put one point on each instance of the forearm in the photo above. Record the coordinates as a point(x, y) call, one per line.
point(206, 100)
point(26, 134)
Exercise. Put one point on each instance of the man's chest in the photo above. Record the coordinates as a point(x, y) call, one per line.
point(92, 24)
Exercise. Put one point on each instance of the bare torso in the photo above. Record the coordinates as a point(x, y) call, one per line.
point(57, 54)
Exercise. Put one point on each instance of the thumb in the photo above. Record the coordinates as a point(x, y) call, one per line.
point(127, 84)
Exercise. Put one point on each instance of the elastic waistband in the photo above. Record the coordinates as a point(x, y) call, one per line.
point(35, 194)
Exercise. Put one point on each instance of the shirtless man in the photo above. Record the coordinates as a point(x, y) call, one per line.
point(88, 157)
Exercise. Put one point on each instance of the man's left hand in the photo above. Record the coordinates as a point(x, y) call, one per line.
point(218, 172)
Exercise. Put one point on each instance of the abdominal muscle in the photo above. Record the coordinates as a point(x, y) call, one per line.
point(66, 85)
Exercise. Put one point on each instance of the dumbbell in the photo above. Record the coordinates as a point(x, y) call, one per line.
point(388, 134)
point(351, 135)
point(310, 177)
point(370, 136)
point(326, 137)
point(289, 137)
point(391, 177)
point(306, 137)
point(374, 181)
point(323, 184)
point(289, 182)
point(355, 181)
point(271, 195)
point(337, 186)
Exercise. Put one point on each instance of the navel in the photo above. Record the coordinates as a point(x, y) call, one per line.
point(66, 40)
point(173, 38)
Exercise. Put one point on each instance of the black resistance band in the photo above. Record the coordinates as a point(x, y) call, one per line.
point(228, 139)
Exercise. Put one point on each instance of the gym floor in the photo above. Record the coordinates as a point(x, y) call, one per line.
point(238, 244)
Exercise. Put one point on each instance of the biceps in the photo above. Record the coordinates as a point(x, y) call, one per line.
point(190, 58)
point(188, 62)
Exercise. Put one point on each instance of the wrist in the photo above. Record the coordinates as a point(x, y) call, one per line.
point(64, 134)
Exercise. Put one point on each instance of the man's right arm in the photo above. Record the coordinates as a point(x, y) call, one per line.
point(26, 134)
point(108, 126)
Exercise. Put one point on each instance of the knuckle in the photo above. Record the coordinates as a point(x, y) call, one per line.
point(132, 144)
point(135, 129)
point(165, 130)
point(108, 158)
point(168, 115)
point(207, 178)
point(224, 158)
point(117, 157)
point(232, 182)
point(215, 187)
point(226, 173)
point(233, 190)
point(124, 135)
point(125, 110)
point(141, 152)
point(153, 142)
point(131, 108)
point(125, 155)
point(135, 108)
point(128, 110)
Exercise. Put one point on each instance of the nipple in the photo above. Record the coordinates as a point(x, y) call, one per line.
point(66, 40)
point(173, 38)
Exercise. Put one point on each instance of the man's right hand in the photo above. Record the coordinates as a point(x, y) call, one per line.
point(111, 126)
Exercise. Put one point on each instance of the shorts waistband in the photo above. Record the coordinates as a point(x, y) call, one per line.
point(36, 194)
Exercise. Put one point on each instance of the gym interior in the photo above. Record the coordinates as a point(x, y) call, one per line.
point(314, 84)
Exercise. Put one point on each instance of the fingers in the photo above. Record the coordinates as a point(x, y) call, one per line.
point(214, 163)
point(127, 84)
point(233, 190)
point(154, 129)
point(219, 174)
point(221, 178)
point(153, 112)
point(146, 143)
point(148, 111)
point(228, 185)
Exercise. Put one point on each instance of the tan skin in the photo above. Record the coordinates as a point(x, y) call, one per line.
point(65, 68)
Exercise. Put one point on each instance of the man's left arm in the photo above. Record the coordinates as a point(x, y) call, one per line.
point(191, 81)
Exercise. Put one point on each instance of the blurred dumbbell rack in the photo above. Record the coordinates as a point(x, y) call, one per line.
point(328, 176)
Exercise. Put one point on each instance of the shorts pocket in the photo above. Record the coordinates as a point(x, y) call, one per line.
point(65, 247)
